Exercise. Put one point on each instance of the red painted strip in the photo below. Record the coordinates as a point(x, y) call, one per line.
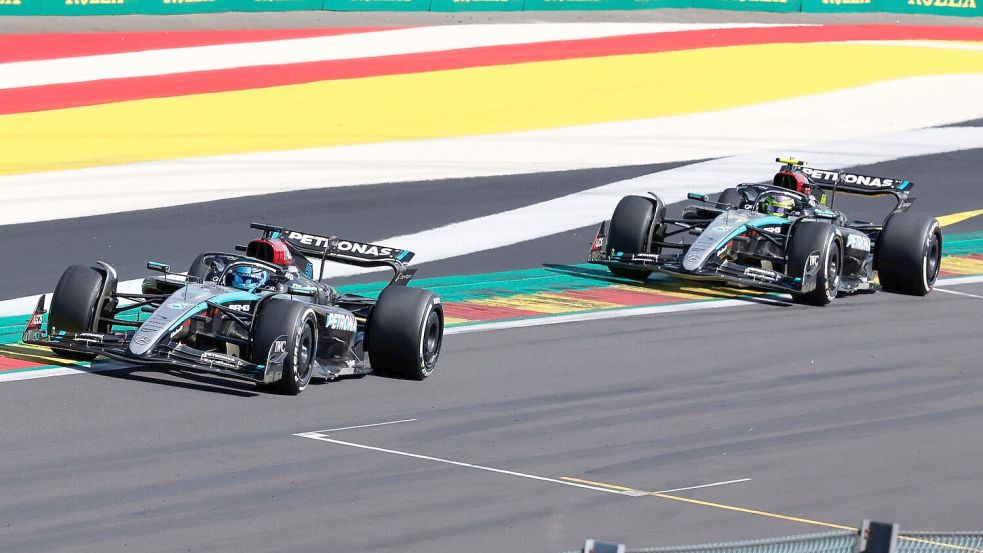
point(622, 297)
point(8, 364)
point(943, 273)
point(48, 46)
point(117, 90)
point(476, 312)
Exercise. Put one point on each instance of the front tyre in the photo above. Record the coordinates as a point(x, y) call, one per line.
point(630, 228)
point(909, 254)
point(75, 305)
point(405, 332)
point(298, 323)
point(807, 239)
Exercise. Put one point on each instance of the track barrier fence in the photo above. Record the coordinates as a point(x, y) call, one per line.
point(872, 537)
point(967, 8)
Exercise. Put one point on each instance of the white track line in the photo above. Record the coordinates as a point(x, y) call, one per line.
point(316, 436)
point(628, 493)
point(328, 431)
point(956, 281)
point(960, 293)
point(701, 486)
point(303, 50)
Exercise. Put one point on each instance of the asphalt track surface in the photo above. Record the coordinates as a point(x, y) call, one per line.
point(864, 409)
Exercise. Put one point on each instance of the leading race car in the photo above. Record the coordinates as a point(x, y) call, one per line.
point(780, 237)
point(261, 316)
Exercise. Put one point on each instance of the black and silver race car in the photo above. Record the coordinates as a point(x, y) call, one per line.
point(259, 316)
point(784, 236)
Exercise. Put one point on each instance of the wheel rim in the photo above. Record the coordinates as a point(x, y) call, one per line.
point(933, 257)
point(305, 356)
point(431, 340)
point(832, 271)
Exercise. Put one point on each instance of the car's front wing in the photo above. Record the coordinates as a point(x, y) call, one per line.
point(116, 346)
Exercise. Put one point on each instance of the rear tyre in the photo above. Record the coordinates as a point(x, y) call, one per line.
point(909, 254)
point(808, 238)
point(205, 271)
point(630, 228)
point(298, 323)
point(405, 332)
point(75, 305)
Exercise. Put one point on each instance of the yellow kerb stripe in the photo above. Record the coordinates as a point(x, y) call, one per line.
point(452, 103)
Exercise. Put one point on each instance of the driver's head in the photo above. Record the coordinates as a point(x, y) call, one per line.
point(245, 277)
point(780, 205)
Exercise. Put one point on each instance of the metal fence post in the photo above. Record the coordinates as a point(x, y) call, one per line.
point(877, 537)
point(595, 546)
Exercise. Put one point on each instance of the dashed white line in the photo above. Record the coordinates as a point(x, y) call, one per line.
point(960, 293)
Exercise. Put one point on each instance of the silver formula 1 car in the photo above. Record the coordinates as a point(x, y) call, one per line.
point(784, 236)
point(260, 315)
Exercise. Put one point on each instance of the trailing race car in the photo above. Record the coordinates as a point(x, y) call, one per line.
point(780, 237)
point(261, 316)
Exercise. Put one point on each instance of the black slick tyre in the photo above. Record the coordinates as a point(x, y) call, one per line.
point(808, 238)
point(405, 332)
point(629, 231)
point(75, 305)
point(909, 254)
point(298, 322)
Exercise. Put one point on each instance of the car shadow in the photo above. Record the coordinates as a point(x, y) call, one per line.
point(665, 283)
point(182, 379)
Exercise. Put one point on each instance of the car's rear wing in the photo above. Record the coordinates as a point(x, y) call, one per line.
point(341, 250)
point(853, 183)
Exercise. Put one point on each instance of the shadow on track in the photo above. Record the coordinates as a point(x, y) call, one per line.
point(191, 381)
point(664, 283)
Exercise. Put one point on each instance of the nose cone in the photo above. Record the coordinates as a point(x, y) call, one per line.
point(179, 307)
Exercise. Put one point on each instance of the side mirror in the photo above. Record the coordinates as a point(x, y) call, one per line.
point(698, 197)
point(296, 290)
point(158, 266)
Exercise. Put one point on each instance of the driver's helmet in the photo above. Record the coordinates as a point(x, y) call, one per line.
point(247, 277)
point(781, 205)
